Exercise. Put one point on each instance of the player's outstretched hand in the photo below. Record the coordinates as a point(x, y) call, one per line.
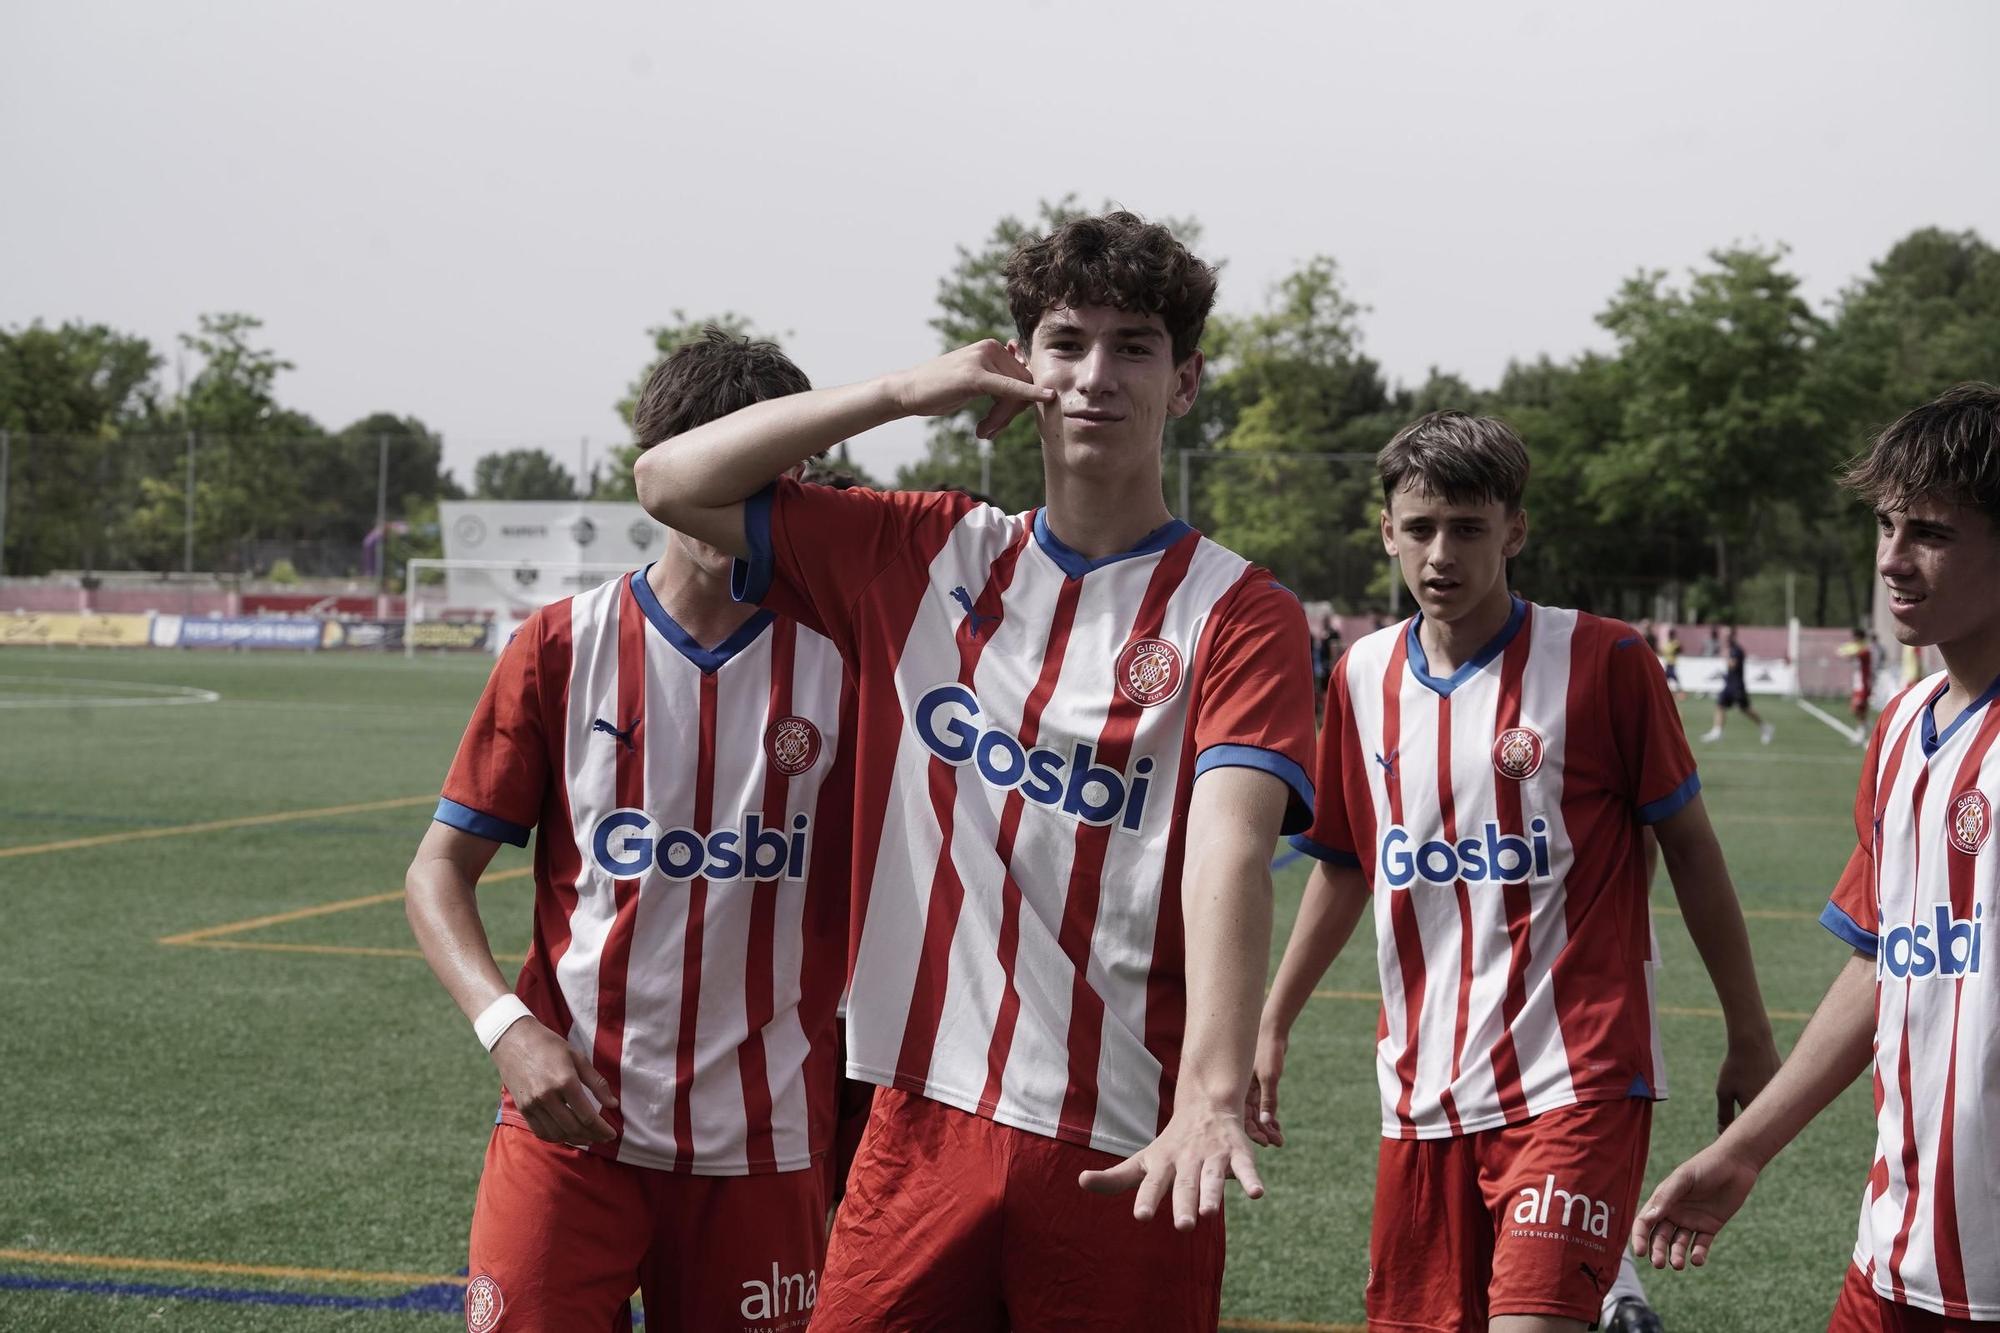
point(1679, 1223)
point(1746, 1067)
point(983, 370)
point(554, 1087)
point(1260, 1108)
point(1201, 1147)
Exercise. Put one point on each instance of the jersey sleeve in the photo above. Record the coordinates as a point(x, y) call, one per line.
point(815, 550)
point(1255, 707)
point(499, 779)
point(1330, 836)
point(1654, 761)
point(1850, 913)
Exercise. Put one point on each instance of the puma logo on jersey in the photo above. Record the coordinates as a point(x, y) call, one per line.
point(624, 737)
point(1388, 764)
point(974, 622)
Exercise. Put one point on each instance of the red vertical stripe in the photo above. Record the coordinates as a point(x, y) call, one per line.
point(1086, 883)
point(697, 911)
point(1402, 914)
point(1517, 897)
point(759, 985)
point(558, 862)
point(607, 1051)
point(947, 896)
point(1002, 1042)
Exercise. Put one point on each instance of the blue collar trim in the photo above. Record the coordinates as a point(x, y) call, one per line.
point(1075, 565)
point(1420, 666)
point(706, 660)
point(1934, 739)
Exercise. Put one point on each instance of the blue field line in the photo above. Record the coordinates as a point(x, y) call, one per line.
point(1286, 857)
point(442, 1298)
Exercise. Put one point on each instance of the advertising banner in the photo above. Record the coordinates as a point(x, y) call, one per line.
point(376, 634)
point(454, 634)
point(1703, 675)
point(249, 632)
point(73, 629)
point(530, 541)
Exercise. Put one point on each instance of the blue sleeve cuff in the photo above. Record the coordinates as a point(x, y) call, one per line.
point(1319, 851)
point(1849, 930)
point(1672, 803)
point(750, 580)
point(1298, 815)
point(479, 823)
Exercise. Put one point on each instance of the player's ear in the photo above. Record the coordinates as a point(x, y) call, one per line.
point(1517, 532)
point(1388, 534)
point(1187, 383)
point(1019, 350)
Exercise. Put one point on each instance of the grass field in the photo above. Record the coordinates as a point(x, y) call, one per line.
point(237, 1100)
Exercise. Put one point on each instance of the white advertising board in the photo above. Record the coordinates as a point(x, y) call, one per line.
point(529, 549)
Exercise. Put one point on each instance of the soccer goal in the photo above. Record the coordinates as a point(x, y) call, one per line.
point(479, 603)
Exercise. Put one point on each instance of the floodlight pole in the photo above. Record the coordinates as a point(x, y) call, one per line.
point(187, 516)
point(381, 521)
point(6, 461)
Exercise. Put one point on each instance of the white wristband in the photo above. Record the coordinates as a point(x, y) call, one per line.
point(497, 1017)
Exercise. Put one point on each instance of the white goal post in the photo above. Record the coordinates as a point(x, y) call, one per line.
point(497, 593)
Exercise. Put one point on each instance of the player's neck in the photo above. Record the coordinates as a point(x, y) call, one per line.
point(697, 597)
point(1972, 663)
point(1448, 645)
point(1096, 517)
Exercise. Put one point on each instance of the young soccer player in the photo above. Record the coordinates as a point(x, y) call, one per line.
point(1736, 694)
point(1670, 658)
point(1920, 890)
point(1486, 777)
point(668, 1051)
point(1080, 730)
point(1862, 650)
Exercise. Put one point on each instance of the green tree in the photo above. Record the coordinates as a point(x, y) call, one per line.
point(71, 398)
point(1718, 427)
point(972, 304)
point(522, 474)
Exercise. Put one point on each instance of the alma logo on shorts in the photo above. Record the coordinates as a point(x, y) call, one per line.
point(786, 1293)
point(1579, 1211)
point(483, 1305)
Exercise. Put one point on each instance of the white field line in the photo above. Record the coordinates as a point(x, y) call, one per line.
point(1854, 734)
point(148, 695)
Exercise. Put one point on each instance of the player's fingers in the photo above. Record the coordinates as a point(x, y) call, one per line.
point(1158, 1182)
point(1114, 1180)
point(1698, 1252)
point(998, 417)
point(1243, 1166)
point(1187, 1194)
point(599, 1086)
point(1209, 1198)
point(1677, 1254)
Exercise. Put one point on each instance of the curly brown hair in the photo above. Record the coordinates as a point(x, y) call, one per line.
point(1119, 260)
point(708, 378)
point(1949, 449)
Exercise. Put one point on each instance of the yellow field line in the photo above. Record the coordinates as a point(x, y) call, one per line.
point(337, 950)
point(1678, 1011)
point(122, 1263)
point(213, 826)
point(228, 1270)
point(321, 909)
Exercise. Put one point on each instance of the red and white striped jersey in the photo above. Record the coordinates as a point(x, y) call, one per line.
point(1497, 815)
point(1918, 893)
point(690, 877)
point(1030, 727)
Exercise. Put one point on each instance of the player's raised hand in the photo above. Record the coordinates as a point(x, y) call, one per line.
point(1679, 1223)
point(983, 370)
point(1200, 1148)
point(1260, 1108)
point(554, 1087)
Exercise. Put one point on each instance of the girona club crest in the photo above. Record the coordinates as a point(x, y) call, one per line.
point(483, 1305)
point(1149, 672)
point(1971, 820)
point(1517, 753)
point(793, 744)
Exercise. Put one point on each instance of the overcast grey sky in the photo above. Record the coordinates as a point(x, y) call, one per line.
point(472, 212)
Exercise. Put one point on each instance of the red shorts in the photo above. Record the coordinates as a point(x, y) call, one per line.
point(561, 1238)
point(1526, 1219)
point(956, 1224)
point(1861, 1309)
point(1858, 702)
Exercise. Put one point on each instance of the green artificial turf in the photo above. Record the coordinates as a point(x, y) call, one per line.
point(198, 1106)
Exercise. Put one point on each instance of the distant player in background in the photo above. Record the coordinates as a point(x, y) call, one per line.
point(1326, 651)
point(1736, 694)
point(1920, 997)
point(1670, 658)
point(1862, 650)
point(668, 1052)
point(1487, 776)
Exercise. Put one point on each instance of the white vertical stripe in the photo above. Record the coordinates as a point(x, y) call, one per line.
point(591, 779)
point(1475, 706)
point(1538, 1037)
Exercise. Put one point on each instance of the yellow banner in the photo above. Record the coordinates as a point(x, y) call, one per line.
point(71, 629)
